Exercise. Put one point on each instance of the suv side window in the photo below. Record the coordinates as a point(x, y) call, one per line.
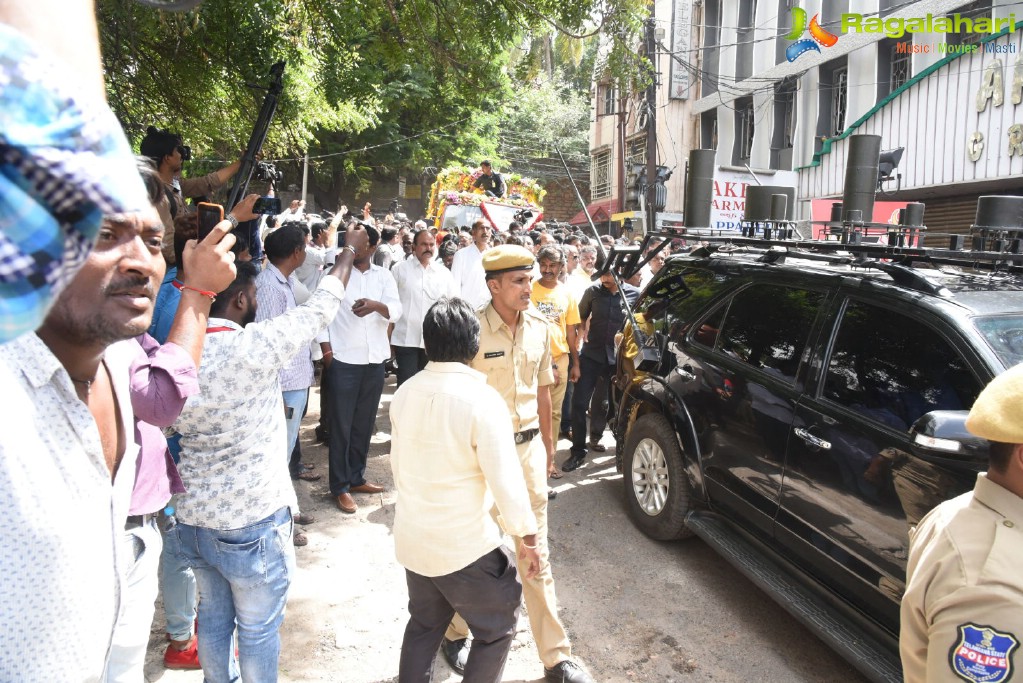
point(680, 294)
point(766, 326)
point(894, 369)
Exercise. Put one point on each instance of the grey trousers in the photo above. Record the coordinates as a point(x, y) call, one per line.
point(487, 593)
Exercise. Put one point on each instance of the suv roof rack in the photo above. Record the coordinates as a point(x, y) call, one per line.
point(992, 250)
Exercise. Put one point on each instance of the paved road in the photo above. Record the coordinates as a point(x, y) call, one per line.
point(636, 609)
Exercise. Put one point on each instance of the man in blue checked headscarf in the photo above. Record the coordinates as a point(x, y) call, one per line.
point(64, 160)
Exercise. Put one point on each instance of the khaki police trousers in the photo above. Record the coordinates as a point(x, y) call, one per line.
point(538, 592)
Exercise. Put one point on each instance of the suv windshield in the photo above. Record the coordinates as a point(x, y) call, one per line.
point(1005, 335)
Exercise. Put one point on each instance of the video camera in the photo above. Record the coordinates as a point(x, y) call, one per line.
point(268, 173)
point(522, 216)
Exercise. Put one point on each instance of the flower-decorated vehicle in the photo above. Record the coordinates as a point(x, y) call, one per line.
point(454, 201)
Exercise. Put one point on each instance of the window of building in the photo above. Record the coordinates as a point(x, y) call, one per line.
point(709, 129)
point(635, 150)
point(901, 64)
point(744, 130)
point(785, 101)
point(784, 135)
point(839, 99)
point(745, 39)
point(831, 14)
point(973, 10)
point(766, 326)
point(608, 99)
point(711, 49)
point(600, 174)
point(917, 372)
point(894, 65)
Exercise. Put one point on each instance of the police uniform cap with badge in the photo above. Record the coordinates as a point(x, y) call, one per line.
point(507, 258)
point(962, 612)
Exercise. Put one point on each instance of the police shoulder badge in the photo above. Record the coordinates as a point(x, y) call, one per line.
point(982, 654)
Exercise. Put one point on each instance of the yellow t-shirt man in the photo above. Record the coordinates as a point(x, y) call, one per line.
point(561, 310)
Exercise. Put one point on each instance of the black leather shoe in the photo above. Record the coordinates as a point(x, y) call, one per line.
point(456, 653)
point(567, 672)
point(321, 434)
point(573, 463)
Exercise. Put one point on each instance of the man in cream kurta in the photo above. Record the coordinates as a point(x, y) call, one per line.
point(453, 457)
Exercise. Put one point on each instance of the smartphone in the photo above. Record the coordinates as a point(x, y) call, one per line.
point(270, 206)
point(209, 216)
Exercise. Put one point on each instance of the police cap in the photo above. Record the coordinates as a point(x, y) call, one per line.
point(507, 258)
point(997, 414)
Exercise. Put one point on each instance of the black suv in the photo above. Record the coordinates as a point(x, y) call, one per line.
point(801, 416)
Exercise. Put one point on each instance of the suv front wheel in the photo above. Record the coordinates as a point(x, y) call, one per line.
point(656, 489)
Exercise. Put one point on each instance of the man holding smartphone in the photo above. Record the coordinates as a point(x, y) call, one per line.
point(69, 451)
point(237, 511)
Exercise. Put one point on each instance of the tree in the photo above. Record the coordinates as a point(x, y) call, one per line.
point(413, 82)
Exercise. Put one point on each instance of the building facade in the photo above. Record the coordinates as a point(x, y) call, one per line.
point(618, 131)
point(771, 106)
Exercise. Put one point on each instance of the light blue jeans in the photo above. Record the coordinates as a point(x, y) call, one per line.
point(178, 585)
point(243, 577)
point(296, 400)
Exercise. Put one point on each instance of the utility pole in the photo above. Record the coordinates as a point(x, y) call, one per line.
point(651, 123)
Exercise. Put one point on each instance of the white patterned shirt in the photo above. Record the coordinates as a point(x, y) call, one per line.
point(233, 432)
point(363, 341)
point(61, 569)
point(418, 288)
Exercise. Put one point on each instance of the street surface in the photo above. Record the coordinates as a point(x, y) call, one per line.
point(636, 609)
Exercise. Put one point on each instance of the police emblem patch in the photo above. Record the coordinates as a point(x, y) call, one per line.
point(982, 654)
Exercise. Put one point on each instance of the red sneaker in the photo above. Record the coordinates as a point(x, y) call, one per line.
point(188, 658)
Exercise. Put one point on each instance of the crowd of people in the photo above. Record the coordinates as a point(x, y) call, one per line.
point(167, 383)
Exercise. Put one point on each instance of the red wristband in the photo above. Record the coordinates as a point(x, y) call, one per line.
point(181, 285)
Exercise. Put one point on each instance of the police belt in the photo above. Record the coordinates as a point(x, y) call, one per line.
point(526, 436)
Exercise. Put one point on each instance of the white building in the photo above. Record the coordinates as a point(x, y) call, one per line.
point(618, 137)
point(758, 109)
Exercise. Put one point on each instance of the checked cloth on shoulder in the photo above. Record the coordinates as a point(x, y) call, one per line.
point(64, 163)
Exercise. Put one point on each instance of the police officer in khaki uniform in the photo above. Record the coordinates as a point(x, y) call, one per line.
point(962, 614)
point(515, 354)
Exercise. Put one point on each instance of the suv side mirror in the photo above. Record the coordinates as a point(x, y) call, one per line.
point(943, 432)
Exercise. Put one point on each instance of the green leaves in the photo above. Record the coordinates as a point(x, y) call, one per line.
point(360, 73)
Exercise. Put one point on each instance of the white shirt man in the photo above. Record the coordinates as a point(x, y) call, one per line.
point(467, 267)
point(354, 370)
point(421, 281)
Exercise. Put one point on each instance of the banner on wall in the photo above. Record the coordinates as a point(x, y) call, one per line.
point(729, 201)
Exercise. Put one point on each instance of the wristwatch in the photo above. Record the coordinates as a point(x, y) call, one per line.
point(232, 220)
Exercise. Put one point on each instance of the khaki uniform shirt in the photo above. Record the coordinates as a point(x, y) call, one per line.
point(517, 367)
point(962, 614)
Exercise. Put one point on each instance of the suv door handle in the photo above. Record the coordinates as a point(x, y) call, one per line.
point(812, 440)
